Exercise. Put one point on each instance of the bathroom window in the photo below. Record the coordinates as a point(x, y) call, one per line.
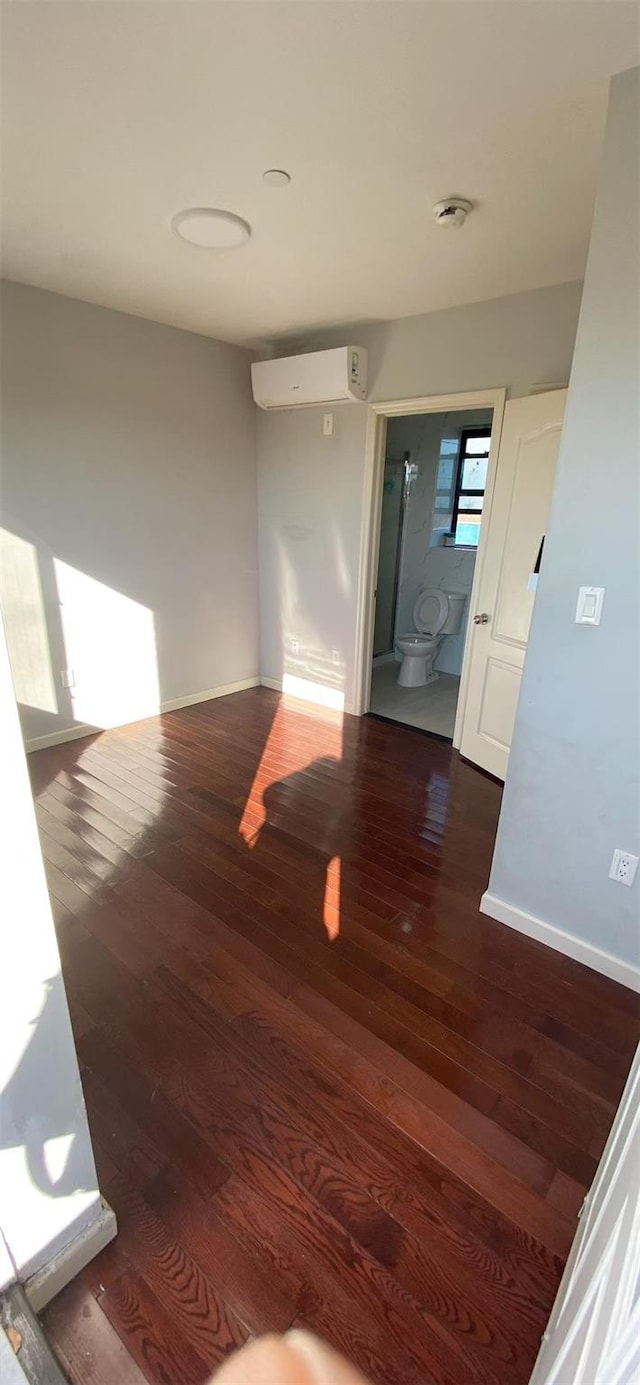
point(446, 475)
point(471, 479)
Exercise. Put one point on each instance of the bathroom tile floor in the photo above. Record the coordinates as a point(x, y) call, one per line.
point(432, 708)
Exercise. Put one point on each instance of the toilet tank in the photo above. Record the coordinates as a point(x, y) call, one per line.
point(456, 607)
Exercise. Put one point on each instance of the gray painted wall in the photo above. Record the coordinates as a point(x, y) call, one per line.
point(518, 341)
point(310, 487)
point(572, 791)
point(309, 506)
point(48, 1186)
point(128, 455)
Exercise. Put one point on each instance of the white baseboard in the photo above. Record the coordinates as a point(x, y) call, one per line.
point(74, 733)
point(624, 972)
point(48, 1281)
point(174, 704)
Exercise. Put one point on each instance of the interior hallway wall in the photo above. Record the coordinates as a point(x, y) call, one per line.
point(571, 794)
point(129, 534)
point(311, 487)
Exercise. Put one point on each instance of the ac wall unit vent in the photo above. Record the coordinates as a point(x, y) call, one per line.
point(319, 377)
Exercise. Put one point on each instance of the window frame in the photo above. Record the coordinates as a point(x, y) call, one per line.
point(465, 434)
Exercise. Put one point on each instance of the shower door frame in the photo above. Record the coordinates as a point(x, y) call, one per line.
point(391, 461)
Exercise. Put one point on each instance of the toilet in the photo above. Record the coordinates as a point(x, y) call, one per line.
point(436, 613)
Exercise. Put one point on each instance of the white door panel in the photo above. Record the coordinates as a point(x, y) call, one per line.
point(593, 1337)
point(516, 525)
point(499, 703)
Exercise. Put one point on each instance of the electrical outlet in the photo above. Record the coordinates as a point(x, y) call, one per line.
point(623, 867)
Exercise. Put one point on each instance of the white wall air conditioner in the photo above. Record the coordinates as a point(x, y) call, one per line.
point(320, 377)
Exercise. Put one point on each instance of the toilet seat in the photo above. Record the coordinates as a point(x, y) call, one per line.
point(417, 642)
point(430, 611)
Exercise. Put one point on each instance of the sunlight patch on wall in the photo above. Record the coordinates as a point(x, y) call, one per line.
point(29, 999)
point(25, 623)
point(310, 691)
point(287, 585)
point(56, 1153)
point(341, 568)
point(111, 647)
point(311, 670)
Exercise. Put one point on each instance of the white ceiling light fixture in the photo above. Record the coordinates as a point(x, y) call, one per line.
point(211, 228)
point(276, 177)
point(452, 212)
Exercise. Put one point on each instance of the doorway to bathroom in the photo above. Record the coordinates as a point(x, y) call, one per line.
point(433, 477)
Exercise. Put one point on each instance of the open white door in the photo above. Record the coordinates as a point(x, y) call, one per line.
point(593, 1337)
point(516, 526)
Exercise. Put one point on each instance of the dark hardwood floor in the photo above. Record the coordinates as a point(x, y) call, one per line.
point(322, 1088)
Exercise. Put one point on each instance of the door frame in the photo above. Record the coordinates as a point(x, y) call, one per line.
point(375, 446)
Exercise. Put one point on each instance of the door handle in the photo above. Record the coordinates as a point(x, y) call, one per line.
point(482, 619)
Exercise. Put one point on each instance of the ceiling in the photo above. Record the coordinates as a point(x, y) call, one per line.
point(117, 114)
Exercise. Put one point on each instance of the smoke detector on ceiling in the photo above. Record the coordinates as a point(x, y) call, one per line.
point(452, 211)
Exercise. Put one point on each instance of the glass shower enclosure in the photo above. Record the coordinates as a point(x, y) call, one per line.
point(394, 496)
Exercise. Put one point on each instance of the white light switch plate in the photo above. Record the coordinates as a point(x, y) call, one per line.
point(589, 608)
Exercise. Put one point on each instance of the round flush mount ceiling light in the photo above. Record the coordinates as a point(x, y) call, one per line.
point(452, 212)
point(276, 177)
point(211, 229)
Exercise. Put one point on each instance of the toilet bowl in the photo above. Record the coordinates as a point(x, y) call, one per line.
point(418, 657)
point(436, 613)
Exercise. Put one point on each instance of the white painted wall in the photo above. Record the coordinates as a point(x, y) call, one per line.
point(572, 792)
point(48, 1187)
point(129, 536)
point(310, 487)
point(7, 1267)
